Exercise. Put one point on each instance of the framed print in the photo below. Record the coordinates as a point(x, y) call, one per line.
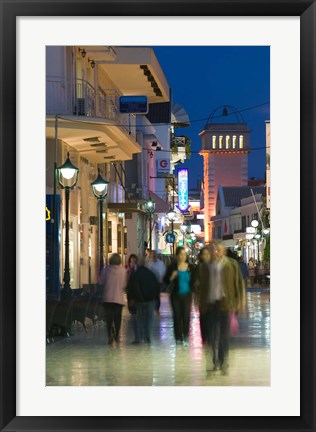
point(137, 174)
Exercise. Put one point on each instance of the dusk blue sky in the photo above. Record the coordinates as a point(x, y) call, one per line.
point(203, 78)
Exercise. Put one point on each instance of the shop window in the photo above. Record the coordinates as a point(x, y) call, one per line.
point(243, 223)
point(119, 238)
point(125, 240)
point(219, 232)
point(109, 237)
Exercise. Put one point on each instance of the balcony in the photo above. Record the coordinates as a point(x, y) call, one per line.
point(80, 98)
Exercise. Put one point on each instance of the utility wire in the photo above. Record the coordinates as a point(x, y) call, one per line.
point(166, 124)
point(198, 152)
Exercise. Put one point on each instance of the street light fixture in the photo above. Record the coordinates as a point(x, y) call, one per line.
point(100, 190)
point(171, 215)
point(67, 175)
point(254, 223)
point(266, 231)
point(150, 207)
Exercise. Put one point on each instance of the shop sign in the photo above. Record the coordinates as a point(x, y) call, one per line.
point(163, 166)
point(133, 104)
point(183, 190)
point(251, 230)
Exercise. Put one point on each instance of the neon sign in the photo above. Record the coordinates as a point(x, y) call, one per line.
point(183, 190)
point(47, 214)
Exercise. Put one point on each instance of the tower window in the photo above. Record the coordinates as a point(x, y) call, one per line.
point(234, 141)
point(213, 141)
point(221, 142)
point(241, 141)
point(227, 141)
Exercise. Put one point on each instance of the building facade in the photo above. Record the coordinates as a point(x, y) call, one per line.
point(225, 149)
point(83, 118)
point(236, 208)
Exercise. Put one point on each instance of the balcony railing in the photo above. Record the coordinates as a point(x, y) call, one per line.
point(80, 98)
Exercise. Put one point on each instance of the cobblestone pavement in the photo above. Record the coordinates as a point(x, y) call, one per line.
point(86, 359)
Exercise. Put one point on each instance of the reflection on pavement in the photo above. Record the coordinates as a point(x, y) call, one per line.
point(86, 359)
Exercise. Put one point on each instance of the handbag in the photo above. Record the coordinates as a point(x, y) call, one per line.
point(233, 324)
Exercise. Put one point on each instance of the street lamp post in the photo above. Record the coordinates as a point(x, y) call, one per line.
point(100, 191)
point(171, 214)
point(67, 179)
point(150, 207)
point(183, 229)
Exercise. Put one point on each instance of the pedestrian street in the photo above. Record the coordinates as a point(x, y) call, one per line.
point(86, 359)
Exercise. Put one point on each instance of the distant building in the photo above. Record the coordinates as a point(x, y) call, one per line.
point(225, 149)
point(236, 207)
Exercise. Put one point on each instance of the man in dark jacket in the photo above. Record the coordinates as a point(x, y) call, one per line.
point(142, 292)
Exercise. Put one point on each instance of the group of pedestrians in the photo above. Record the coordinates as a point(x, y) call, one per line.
point(215, 284)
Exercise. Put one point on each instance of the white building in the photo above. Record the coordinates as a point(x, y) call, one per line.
point(83, 86)
point(236, 207)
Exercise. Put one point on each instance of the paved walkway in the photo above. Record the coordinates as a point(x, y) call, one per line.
point(86, 359)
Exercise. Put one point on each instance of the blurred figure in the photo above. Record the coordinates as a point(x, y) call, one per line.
point(131, 267)
point(113, 279)
point(203, 258)
point(244, 270)
point(131, 264)
point(142, 292)
point(251, 268)
point(222, 292)
point(179, 275)
point(158, 267)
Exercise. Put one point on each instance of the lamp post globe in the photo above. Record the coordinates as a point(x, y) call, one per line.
point(171, 215)
point(67, 178)
point(254, 223)
point(100, 187)
point(100, 190)
point(150, 207)
point(67, 174)
point(266, 231)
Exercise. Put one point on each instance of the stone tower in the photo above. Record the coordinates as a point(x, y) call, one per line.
point(225, 149)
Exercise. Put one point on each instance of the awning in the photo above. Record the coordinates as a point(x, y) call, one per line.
point(132, 207)
point(161, 205)
point(228, 243)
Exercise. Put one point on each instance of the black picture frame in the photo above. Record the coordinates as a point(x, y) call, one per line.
point(10, 10)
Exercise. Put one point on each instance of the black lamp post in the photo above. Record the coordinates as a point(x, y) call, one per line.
point(67, 178)
point(100, 190)
point(150, 207)
point(171, 215)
